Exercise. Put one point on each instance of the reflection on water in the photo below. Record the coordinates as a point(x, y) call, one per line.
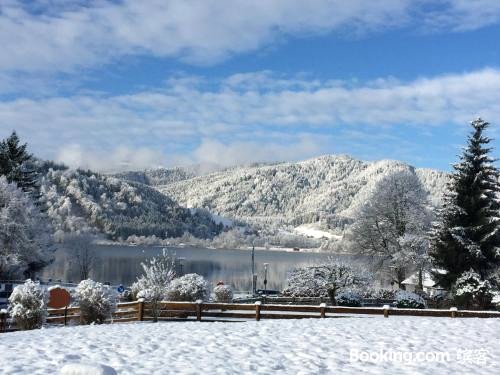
point(121, 265)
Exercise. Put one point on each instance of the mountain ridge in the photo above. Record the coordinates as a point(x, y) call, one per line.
point(329, 187)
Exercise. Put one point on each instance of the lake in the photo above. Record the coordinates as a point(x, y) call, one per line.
point(120, 264)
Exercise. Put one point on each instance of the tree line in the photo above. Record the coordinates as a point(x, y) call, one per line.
point(459, 243)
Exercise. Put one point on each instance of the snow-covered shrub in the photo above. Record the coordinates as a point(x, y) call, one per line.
point(303, 282)
point(471, 291)
point(349, 299)
point(153, 284)
point(96, 301)
point(409, 300)
point(495, 301)
point(223, 293)
point(341, 277)
point(326, 279)
point(380, 293)
point(28, 305)
point(190, 287)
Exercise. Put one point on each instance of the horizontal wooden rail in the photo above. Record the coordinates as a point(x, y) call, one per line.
point(169, 310)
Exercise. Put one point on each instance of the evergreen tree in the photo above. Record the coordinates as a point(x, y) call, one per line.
point(466, 235)
point(17, 165)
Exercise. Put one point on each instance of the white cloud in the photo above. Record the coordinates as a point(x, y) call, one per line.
point(463, 15)
point(62, 36)
point(118, 159)
point(237, 121)
point(198, 31)
point(212, 151)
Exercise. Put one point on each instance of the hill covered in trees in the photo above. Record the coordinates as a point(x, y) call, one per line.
point(84, 201)
point(325, 192)
point(329, 189)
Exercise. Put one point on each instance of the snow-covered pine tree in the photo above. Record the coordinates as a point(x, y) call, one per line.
point(17, 165)
point(466, 234)
point(25, 239)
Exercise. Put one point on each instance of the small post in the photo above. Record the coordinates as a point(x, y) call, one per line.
point(257, 310)
point(386, 310)
point(3, 320)
point(322, 308)
point(198, 309)
point(140, 313)
point(65, 315)
point(453, 311)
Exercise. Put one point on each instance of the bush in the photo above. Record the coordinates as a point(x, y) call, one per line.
point(379, 293)
point(153, 285)
point(409, 300)
point(495, 301)
point(190, 287)
point(326, 279)
point(471, 291)
point(96, 301)
point(303, 282)
point(223, 293)
point(349, 299)
point(28, 305)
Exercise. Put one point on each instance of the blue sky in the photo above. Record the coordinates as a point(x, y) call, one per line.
point(113, 85)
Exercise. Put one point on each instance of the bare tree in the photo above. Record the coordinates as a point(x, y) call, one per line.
point(339, 277)
point(84, 257)
point(393, 225)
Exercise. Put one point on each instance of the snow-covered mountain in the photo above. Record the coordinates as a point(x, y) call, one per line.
point(318, 197)
point(84, 201)
point(163, 176)
point(327, 189)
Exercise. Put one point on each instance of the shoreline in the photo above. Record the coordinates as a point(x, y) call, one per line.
point(246, 248)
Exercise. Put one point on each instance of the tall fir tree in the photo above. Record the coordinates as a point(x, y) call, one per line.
point(17, 165)
point(467, 233)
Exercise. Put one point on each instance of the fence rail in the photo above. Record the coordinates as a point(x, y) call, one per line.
point(142, 311)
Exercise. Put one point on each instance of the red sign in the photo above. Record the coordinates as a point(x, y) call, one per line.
point(59, 298)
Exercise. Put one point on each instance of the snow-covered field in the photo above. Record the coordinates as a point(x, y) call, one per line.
point(310, 230)
point(452, 346)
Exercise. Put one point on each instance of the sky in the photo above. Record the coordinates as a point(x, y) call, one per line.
point(117, 85)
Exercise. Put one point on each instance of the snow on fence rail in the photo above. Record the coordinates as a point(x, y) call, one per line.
point(142, 311)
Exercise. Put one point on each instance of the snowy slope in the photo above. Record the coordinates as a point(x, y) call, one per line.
point(84, 201)
point(165, 176)
point(329, 188)
point(266, 347)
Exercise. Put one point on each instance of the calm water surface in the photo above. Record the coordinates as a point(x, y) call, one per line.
point(119, 264)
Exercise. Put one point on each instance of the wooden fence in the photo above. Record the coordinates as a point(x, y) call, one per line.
point(141, 311)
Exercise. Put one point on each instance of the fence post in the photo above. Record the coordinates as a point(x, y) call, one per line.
point(322, 308)
point(140, 312)
point(257, 310)
point(3, 320)
point(453, 312)
point(386, 310)
point(198, 309)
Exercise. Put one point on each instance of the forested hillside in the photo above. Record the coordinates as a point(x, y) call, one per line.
point(328, 189)
point(156, 177)
point(83, 201)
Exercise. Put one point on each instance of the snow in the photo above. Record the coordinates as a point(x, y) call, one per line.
point(310, 230)
point(315, 346)
point(427, 279)
point(86, 369)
